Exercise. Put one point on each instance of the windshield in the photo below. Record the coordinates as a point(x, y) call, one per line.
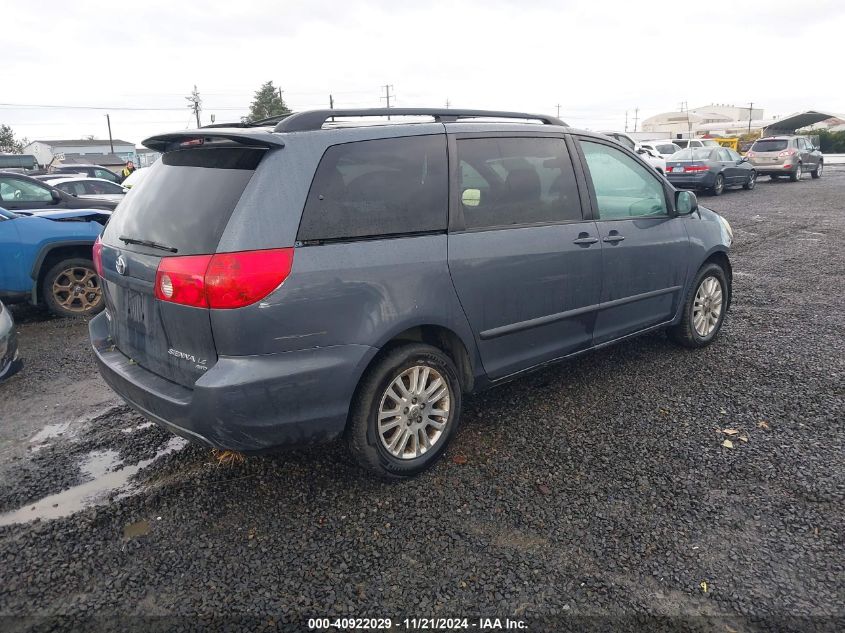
point(696, 153)
point(770, 145)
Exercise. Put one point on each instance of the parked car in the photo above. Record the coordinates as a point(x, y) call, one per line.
point(135, 177)
point(92, 171)
point(88, 188)
point(10, 361)
point(379, 285)
point(791, 156)
point(712, 168)
point(663, 148)
point(685, 143)
point(652, 157)
point(46, 259)
point(19, 192)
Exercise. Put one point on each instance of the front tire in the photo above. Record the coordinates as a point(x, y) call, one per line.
point(718, 185)
point(795, 176)
point(703, 310)
point(751, 182)
point(817, 172)
point(406, 410)
point(71, 288)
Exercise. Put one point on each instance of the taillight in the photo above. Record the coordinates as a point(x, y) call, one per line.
point(786, 152)
point(182, 280)
point(695, 168)
point(750, 154)
point(224, 280)
point(98, 256)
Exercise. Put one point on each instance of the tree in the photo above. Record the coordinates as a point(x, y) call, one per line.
point(267, 102)
point(8, 143)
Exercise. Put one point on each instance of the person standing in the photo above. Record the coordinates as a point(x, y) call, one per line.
point(128, 168)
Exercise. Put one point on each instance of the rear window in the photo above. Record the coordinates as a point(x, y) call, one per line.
point(668, 149)
point(694, 153)
point(187, 199)
point(681, 143)
point(378, 188)
point(770, 145)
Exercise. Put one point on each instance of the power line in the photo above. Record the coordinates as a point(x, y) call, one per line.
point(75, 107)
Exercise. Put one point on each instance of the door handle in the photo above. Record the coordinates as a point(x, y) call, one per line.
point(585, 239)
point(613, 238)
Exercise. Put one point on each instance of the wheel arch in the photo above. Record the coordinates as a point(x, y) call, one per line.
point(50, 254)
point(721, 259)
point(441, 337)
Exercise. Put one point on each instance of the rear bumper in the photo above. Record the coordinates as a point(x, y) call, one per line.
point(246, 403)
point(692, 181)
point(769, 169)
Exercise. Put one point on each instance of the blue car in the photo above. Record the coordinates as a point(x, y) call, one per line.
point(46, 258)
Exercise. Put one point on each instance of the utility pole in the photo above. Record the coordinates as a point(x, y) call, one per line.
point(111, 143)
point(331, 104)
point(626, 120)
point(195, 104)
point(387, 89)
point(558, 110)
point(750, 108)
point(636, 117)
point(448, 103)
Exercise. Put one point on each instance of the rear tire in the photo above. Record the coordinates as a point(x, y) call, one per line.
point(817, 172)
point(751, 182)
point(381, 440)
point(718, 185)
point(697, 327)
point(71, 288)
point(795, 176)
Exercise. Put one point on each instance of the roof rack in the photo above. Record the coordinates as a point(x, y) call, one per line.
point(314, 119)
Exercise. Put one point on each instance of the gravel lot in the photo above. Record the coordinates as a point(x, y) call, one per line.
point(594, 494)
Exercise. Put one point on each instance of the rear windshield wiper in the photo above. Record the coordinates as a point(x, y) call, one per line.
point(162, 247)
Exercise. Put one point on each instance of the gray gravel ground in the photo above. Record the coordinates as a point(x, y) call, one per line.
point(596, 494)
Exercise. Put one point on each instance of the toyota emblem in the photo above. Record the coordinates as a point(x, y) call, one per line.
point(120, 265)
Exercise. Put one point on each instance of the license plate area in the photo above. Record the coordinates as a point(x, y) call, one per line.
point(136, 311)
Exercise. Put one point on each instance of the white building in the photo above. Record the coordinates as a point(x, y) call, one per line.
point(81, 150)
point(712, 119)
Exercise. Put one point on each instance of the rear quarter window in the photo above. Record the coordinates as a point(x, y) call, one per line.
point(187, 199)
point(378, 188)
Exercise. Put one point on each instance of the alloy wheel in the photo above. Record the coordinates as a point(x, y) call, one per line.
point(707, 307)
point(77, 289)
point(413, 412)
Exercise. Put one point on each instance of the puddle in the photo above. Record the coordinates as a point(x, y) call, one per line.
point(98, 463)
point(95, 492)
point(138, 427)
point(49, 432)
point(134, 530)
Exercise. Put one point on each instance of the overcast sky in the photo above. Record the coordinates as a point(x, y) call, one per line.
point(596, 58)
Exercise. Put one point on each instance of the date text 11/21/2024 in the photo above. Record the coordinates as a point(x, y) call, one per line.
point(417, 624)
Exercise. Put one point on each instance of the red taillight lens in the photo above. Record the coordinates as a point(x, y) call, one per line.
point(182, 280)
point(696, 168)
point(786, 152)
point(98, 256)
point(234, 280)
point(224, 280)
point(750, 154)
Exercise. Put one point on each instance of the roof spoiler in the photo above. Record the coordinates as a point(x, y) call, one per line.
point(314, 119)
point(188, 138)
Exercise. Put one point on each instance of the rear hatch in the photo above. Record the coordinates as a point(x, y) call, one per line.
point(181, 210)
point(769, 151)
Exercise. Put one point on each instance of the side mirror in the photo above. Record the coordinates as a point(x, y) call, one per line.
point(57, 197)
point(685, 202)
point(126, 190)
point(744, 159)
point(471, 197)
point(642, 150)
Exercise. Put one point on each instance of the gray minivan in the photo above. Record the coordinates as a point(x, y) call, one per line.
point(322, 278)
